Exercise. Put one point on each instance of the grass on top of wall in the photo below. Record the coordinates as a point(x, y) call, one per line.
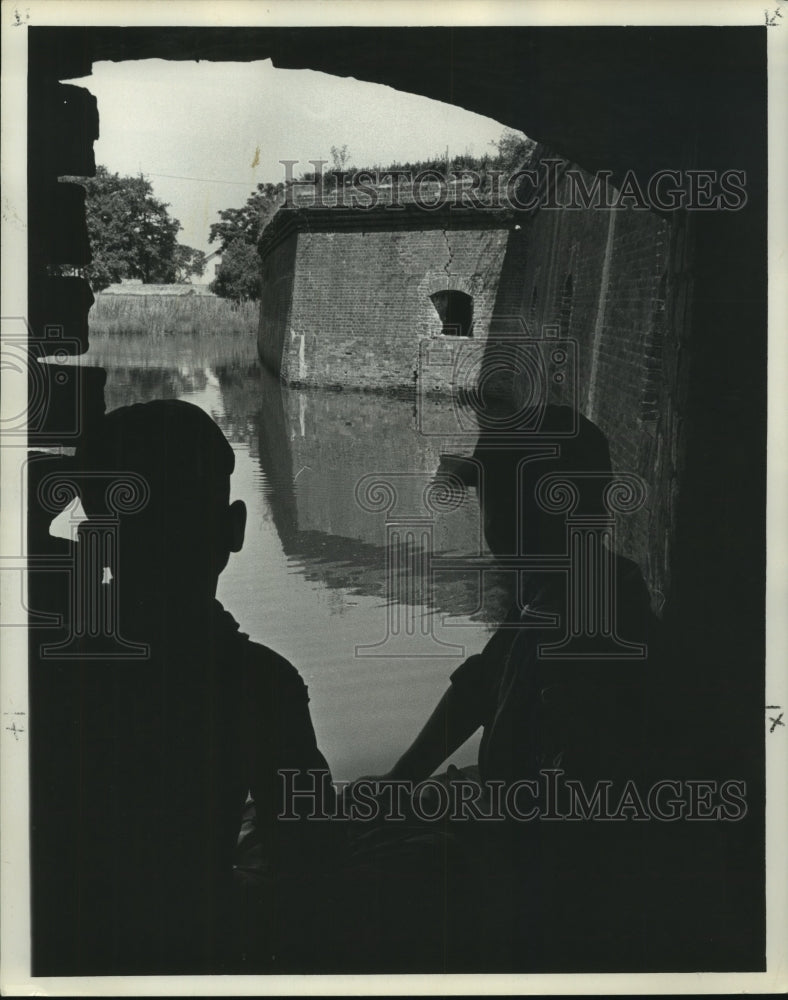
point(168, 315)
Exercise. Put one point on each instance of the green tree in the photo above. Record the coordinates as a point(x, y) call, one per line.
point(132, 234)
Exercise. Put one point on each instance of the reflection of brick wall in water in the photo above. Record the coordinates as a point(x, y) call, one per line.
point(336, 439)
point(313, 448)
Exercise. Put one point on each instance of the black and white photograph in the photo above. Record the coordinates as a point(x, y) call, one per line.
point(393, 498)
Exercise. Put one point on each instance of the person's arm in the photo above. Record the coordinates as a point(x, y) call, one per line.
point(465, 706)
point(289, 776)
point(454, 720)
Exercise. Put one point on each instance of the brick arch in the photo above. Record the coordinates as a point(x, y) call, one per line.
point(469, 285)
point(437, 281)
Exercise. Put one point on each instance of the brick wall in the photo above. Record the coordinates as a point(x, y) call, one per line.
point(617, 283)
point(278, 277)
point(349, 308)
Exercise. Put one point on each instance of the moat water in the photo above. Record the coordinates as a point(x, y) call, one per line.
point(318, 578)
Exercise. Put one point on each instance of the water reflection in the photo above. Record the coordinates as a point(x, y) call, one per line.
point(312, 579)
point(316, 448)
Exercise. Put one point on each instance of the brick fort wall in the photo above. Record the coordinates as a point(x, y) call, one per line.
point(617, 283)
point(346, 304)
point(349, 307)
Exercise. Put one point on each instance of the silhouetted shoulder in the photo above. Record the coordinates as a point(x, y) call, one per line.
point(271, 678)
point(273, 665)
point(263, 669)
point(635, 619)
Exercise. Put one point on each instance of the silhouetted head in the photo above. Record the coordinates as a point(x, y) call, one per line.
point(505, 468)
point(179, 537)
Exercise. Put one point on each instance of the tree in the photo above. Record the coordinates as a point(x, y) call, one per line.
point(339, 158)
point(247, 222)
point(514, 150)
point(237, 234)
point(188, 262)
point(132, 234)
point(238, 277)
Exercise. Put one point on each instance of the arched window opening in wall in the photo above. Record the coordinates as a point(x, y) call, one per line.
point(565, 310)
point(455, 309)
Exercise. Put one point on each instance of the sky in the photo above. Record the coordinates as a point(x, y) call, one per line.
point(205, 134)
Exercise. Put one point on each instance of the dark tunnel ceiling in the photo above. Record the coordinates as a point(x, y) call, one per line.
point(614, 98)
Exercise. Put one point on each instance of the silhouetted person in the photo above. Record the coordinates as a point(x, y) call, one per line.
point(499, 688)
point(144, 765)
point(583, 717)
